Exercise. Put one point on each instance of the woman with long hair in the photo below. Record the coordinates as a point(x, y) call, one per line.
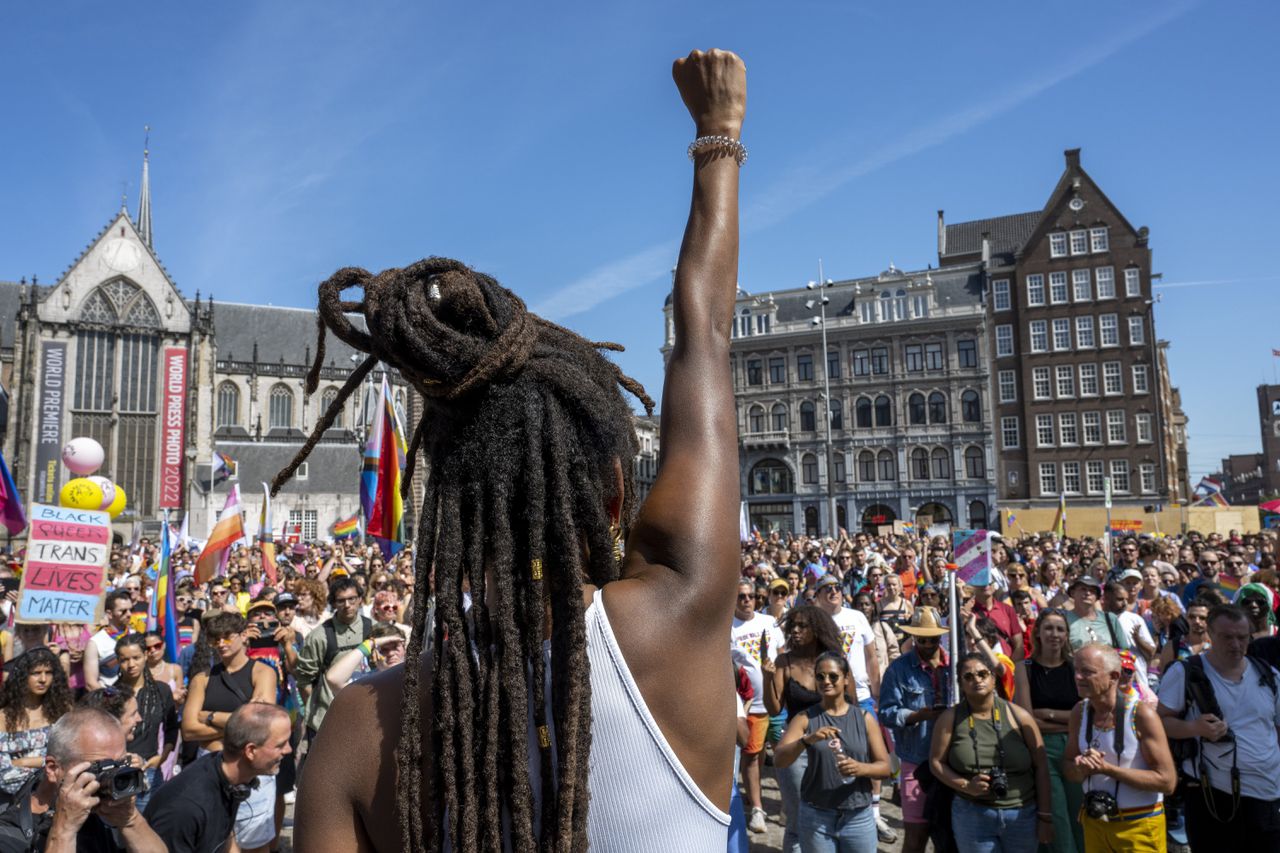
point(34, 697)
point(1046, 687)
point(844, 752)
point(161, 670)
point(156, 735)
point(312, 607)
point(530, 510)
point(894, 609)
point(789, 685)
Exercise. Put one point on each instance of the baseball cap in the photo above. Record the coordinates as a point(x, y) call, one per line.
point(780, 584)
point(1130, 573)
point(1087, 580)
point(826, 581)
point(286, 599)
point(261, 604)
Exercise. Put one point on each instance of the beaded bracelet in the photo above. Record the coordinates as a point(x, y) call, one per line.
point(735, 146)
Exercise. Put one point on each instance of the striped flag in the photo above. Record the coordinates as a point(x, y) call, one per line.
point(1208, 484)
point(12, 515)
point(1213, 499)
point(1230, 583)
point(163, 614)
point(346, 528)
point(266, 540)
point(228, 531)
point(384, 458)
point(1060, 520)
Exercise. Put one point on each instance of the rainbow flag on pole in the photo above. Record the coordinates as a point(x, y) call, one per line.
point(384, 459)
point(228, 531)
point(346, 528)
point(163, 613)
point(266, 539)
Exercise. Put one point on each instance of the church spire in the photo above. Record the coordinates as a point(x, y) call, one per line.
point(144, 198)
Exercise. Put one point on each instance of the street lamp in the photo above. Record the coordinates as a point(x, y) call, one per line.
point(821, 320)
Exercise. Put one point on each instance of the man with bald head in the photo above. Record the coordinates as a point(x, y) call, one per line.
point(61, 808)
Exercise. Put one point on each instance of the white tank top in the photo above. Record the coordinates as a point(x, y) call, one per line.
point(1104, 740)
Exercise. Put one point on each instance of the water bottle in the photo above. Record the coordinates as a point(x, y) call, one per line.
point(837, 749)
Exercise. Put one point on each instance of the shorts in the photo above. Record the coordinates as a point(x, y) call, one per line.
point(256, 817)
point(1139, 835)
point(912, 795)
point(759, 726)
point(777, 725)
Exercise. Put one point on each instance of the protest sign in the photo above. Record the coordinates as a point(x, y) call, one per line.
point(65, 575)
point(972, 556)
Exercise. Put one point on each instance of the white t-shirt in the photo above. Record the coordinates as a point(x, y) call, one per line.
point(1132, 622)
point(856, 635)
point(747, 637)
point(1251, 712)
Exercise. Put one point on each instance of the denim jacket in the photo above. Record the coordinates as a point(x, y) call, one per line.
point(906, 687)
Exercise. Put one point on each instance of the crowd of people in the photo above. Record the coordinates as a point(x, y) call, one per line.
point(1099, 702)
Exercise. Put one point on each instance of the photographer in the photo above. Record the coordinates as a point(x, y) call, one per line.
point(67, 806)
point(1120, 738)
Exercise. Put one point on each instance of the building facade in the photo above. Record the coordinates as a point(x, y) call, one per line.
point(910, 411)
point(1082, 396)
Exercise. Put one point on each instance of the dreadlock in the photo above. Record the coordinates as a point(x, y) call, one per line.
point(523, 423)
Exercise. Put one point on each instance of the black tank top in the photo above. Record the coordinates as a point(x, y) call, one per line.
point(796, 697)
point(227, 691)
point(1052, 687)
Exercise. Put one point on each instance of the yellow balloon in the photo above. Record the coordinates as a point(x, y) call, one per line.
point(81, 493)
point(117, 505)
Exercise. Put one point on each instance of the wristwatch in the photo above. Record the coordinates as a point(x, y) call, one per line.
point(208, 719)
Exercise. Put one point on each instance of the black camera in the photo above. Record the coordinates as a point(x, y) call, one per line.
point(1100, 805)
point(999, 784)
point(117, 779)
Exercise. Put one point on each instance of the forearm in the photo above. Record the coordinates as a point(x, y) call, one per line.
point(785, 754)
point(344, 667)
point(1143, 780)
point(139, 837)
point(874, 769)
point(205, 726)
point(1176, 729)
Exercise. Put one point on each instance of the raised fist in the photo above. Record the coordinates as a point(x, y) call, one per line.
point(713, 86)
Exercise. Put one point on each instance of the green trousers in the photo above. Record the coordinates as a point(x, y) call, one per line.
point(1068, 835)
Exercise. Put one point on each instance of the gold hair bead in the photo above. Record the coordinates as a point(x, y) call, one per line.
point(535, 568)
point(544, 737)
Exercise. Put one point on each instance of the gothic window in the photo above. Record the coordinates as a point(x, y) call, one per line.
point(143, 313)
point(228, 404)
point(281, 408)
point(97, 309)
point(326, 400)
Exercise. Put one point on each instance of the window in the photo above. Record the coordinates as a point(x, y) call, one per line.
point(915, 409)
point(1112, 381)
point(306, 521)
point(1092, 422)
point(762, 324)
point(755, 419)
point(228, 405)
point(808, 420)
point(861, 362)
point(867, 311)
point(1041, 387)
point(755, 375)
point(941, 464)
point(1093, 476)
point(1058, 244)
point(888, 465)
point(770, 477)
point(920, 464)
point(866, 466)
point(1106, 282)
point(1065, 375)
point(327, 399)
point(1132, 282)
point(937, 408)
point(1141, 379)
point(777, 371)
point(1068, 431)
point(1115, 427)
point(302, 472)
point(933, 357)
point(1142, 426)
point(1061, 334)
point(837, 465)
point(833, 365)
point(1120, 475)
point(914, 355)
point(1137, 331)
point(967, 353)
point(920, 305)
point(900, 305)
point(1048, 478)
point(1035, 289)
point(1009, 437)
point(1008, 381)
point(809, 469)
point(1147, 477)
point(1079, 242)
point(970, 407)
point(1084, 333)
point(880, 360)
point(804, 367)
point(1039, 335)
point(862, 413)
point(281, 408)
point(974, 465)
point(1044, 430)
point(779, 418)
point(1071, 478)
point(1099, 240)
point(884, 411)
point(1057, 288)
point(1109, 330)
point(1000, 300)
point(837, 413)
point(1081, 285)
point(1004, 341)
point(1088, 380)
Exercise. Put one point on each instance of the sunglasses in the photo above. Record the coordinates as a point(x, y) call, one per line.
point(827, 677)
point(979, 675)
point(745, 596)
point(154, 647)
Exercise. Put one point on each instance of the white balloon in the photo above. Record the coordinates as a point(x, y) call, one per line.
point(108, 491)
point(83, 456)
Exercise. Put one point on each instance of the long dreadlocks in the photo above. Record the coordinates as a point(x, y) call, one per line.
point(524, 421)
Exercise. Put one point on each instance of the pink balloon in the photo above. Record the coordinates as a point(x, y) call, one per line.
point(83, 456)
point(108, 491)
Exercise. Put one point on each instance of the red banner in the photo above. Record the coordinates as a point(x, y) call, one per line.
point(173, 427)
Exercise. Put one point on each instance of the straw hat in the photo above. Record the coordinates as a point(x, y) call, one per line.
point(925, 623)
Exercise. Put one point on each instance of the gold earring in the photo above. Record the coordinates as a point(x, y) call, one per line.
point(615, 530)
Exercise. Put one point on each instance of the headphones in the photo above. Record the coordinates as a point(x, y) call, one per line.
point(240, 793)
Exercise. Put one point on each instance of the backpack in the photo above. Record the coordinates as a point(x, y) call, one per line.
point(1199, 690)
point(331, 640)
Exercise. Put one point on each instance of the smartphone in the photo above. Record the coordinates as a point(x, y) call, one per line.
point(264, 642)
point(8, 585)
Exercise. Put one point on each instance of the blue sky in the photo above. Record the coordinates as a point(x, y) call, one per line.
point(544, 144)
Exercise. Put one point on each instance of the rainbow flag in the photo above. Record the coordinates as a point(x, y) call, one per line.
point(266, 541)
point(228, 531)
point(384, 458)
point(1230, 583)
point(1213, 499)
point(162, 616)
point(12, 515)
point(346, 528)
